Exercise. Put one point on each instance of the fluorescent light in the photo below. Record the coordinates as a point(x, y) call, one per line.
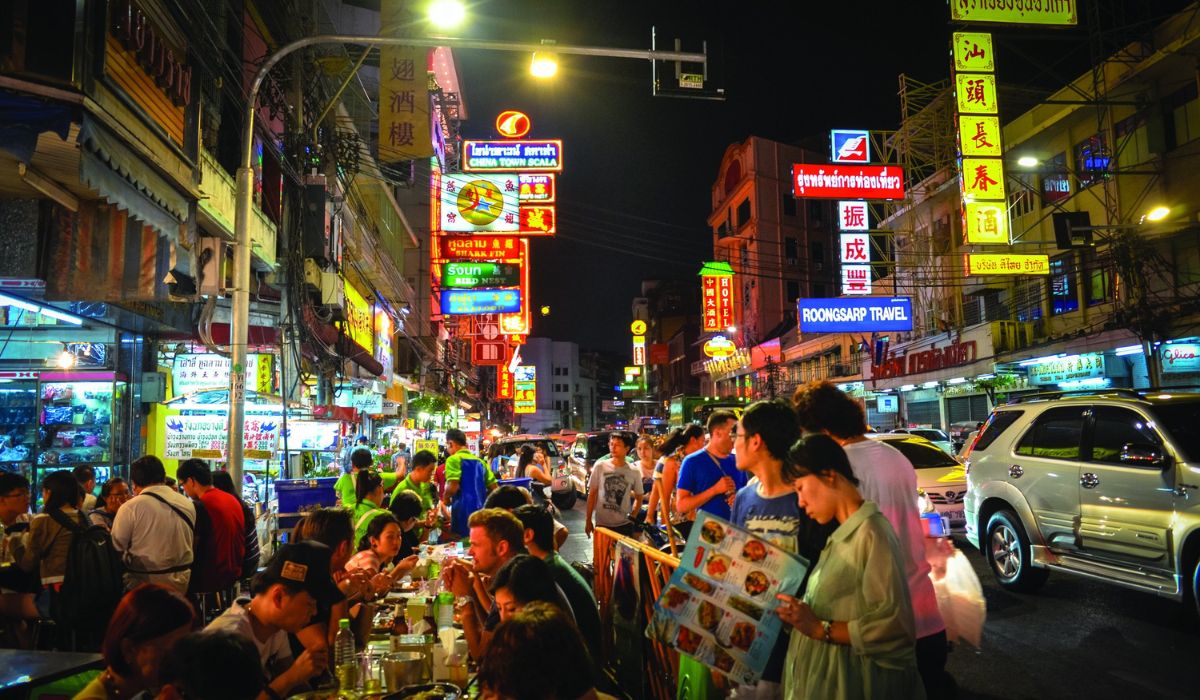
point(908, 387)
point(956, 380)
point(1092, 383)
point(7, 300)
point(1041, 360)
point(1128, 350)
point(929, 385)
point(446, 14)
point(1027, 162)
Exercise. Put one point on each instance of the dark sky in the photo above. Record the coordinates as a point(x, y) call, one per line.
point(636, 187)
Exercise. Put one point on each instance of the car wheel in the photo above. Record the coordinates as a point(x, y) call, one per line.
point(564, 500)
point(1009, 554)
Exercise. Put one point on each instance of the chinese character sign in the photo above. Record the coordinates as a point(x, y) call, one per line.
point(979, 135)
point(525, 389)
point(983, 178)
point(717, 301)
point(188, 436)
point(975, 93)
point(856, 248)
point(856, 279)
point(504, 382)
point(471, 203)
point(973, 52)
point(404, 122)
point(981, 166)
point(853, 216)
point(986, 222)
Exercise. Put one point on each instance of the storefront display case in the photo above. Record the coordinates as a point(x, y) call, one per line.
point(18, 426)
point(81, 419)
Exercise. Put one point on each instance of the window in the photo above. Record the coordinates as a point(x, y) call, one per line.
point(1181, 112)
point(1133, 145)
point(994, 426)
point(1091, 160)
point(1055, 434)
point(1097, 279)
point(791, 249)
point(818, 291)
point(816, 251)
point(1117, 427)
point(1020, 200)
point(817, 212)
point(743, 213)
point(789, 204)
point(793, 292)
point(1027, 300)
point(1063, 298)
point(1056, 186)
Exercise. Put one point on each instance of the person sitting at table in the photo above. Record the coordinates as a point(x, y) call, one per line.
point(522, 580)
point(286, 595)
point(147, 624)
point(187, 672)
point(377, 549)
point(113, 493)
point(45, 547)
point(331, 527)
point(406, 508)
point(533, 464)
point(536, 655)
point(369, 504)
point(17, 587)
point(496, 536)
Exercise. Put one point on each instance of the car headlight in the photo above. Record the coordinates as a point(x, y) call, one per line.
point(924, 505)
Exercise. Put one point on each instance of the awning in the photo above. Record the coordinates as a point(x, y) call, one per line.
point(124, 179)
point(24, 117)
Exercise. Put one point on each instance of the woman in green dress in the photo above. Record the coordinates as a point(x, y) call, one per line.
point(855, 633)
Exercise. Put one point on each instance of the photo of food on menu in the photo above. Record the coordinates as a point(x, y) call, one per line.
point(718, 605)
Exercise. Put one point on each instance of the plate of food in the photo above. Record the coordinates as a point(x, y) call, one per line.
point(698, 583)
point(709, 616)
point(746, 607)
point(754, 551)
point(742, 636)
point(717, 565)
point(688, 640)
point(756, 583)
point(712, 532)
point(723, 661)
point(675, 597)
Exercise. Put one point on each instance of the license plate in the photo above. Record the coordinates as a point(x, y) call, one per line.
point(955, 516)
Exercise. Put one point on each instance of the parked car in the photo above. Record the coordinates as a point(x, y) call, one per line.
point(934, 435)
point(941, 481)
point(588, 449)
point(566, 485)
point(1103, 485)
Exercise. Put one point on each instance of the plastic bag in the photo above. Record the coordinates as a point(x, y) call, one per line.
point(960, 600)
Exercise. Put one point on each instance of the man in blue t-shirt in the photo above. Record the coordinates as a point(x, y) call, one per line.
point(768, 506)
point(709, 478)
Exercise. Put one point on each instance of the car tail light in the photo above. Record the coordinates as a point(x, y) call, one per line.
point(970, 448)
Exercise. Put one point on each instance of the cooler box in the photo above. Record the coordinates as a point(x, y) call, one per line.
point(524, 482)
point(298, 496)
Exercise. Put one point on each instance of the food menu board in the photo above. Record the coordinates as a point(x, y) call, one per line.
point(719, 605)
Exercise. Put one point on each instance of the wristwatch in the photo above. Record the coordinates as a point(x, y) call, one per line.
point(827, 630)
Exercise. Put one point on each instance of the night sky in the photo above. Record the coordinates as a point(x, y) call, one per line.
point(638, 170)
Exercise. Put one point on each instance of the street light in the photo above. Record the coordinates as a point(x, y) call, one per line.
point(1158, 213)
point(446, 14)
point(544, 64)
point(1027, 162)
point(239, 321)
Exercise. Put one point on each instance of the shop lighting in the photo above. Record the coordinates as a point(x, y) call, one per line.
point(6, 300)
point(1157, 213)
point(929, 385)
point(65, 360)
point(986, 376)
point(1092, 383)
point(1128, 350)
point(544, 64)
point(1027, 162)
point(908, 387)
point(957, 380)
point(1041, 360)
point(446, 14)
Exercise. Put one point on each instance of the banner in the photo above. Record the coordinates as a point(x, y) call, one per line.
point(207, 437)
point(404, 121)
point(193, 372)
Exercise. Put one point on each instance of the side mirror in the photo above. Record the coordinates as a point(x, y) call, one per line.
point(1140, 454)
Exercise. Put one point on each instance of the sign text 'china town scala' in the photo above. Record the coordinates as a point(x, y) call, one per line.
point(512, 156)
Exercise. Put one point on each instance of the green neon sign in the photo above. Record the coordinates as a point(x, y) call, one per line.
point(470, 275)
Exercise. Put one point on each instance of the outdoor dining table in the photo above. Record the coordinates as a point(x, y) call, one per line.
point(22, 671)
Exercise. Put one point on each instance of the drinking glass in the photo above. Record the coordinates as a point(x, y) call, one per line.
point(371, 673)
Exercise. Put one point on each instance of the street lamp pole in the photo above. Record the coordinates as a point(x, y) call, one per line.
point(240, 312)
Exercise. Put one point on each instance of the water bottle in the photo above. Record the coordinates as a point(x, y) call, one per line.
point(344, 661)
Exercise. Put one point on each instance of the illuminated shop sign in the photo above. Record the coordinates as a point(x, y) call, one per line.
point(853, 216)
point(479, 203)
point(986, 222)
point(1058, 12)
point(512, 124)
point(469, 275)
point(953, 355)
point(536, 187)
point(482, 248)
point(826, 181)
point(716, 288)
point(525, 383)
point(1180, 357)
point(480, 301)
point(850, 146)
point(1088, 365)
point(358, 318)
point(852, 314)
point(856, 279)
point(1005, 264)
point(512, 156)
point(719, 346)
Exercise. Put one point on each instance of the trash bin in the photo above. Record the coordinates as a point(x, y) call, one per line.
point(298, 496)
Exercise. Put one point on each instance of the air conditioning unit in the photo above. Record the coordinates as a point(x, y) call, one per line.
point(326, 287)
point(211, 264)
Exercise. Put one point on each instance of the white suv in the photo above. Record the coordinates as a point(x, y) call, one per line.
point(1103, 485)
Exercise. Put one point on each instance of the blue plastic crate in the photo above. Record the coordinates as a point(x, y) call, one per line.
point(298, 496)
point(524, 482)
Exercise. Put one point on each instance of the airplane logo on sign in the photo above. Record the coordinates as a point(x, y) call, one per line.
point(850, 146)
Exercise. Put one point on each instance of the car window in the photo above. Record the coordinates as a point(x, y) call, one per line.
point(597, 446)
point(995, 426)
point(1055, 434)
point(929, 434)
point(1182, 423)
point(1116, 427)
point(922, 454)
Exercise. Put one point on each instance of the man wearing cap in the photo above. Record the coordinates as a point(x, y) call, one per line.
point(285, 598)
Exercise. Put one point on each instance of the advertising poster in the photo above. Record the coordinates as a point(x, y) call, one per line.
point(628, 619)
point(208, 436)
point(719, 605)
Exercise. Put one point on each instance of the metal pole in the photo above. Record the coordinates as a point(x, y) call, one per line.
point(240, 321)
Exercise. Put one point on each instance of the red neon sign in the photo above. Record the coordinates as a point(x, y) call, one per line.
point(717, 302)
point(512, 124)
point(841, 181)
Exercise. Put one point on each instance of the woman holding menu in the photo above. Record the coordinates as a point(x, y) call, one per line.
point(856, 631)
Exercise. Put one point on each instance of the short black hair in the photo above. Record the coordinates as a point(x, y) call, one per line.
point(106, 489)
point(83, 474)
point(775, 422)
point(147, 470)
point(528, 579)
point(329, 526)
point(817, 453)
point(189, 666)
point(196, 469)
point(507, 497)
point(361, 457)
point(456, 436)
point(11, 481)
point(540, 521)
point(821, 406)
point(423, 458)
point(623, 437)
point(405, 505)
point(719, 418)
point(375, 528)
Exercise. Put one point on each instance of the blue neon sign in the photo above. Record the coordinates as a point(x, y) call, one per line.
point(512, 156)
point(481, 301)
point(853, 314)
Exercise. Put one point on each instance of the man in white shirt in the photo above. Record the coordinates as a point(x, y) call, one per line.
point(886, 477)
point(86, 477)
point(286, 596)
point(154, 530)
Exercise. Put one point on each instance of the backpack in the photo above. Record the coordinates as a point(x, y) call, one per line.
point(93, 583)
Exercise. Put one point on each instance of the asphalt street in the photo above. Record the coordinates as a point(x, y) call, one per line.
point(1072, 639)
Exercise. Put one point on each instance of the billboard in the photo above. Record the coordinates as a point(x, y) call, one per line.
point(717, 302)
point(481, 248)
point(512, 156)
point(471, 203)
point(850, 146)
point(854, 216)
point(831, 181)
point(480, 301)
point(536, 188)
point(855, 314)
point(470, 275)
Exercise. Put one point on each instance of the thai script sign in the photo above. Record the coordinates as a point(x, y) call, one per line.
point(824, 181)
point(1069, 368)
point(525, 383)
point(1005, 264)
point(953, 355)
point(1058, 12)
point(207, 437)
point(468, 275)
point(195, 371)
point(512, 156)
point(536, 187)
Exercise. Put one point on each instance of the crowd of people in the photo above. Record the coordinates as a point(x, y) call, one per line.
point(800, 474)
